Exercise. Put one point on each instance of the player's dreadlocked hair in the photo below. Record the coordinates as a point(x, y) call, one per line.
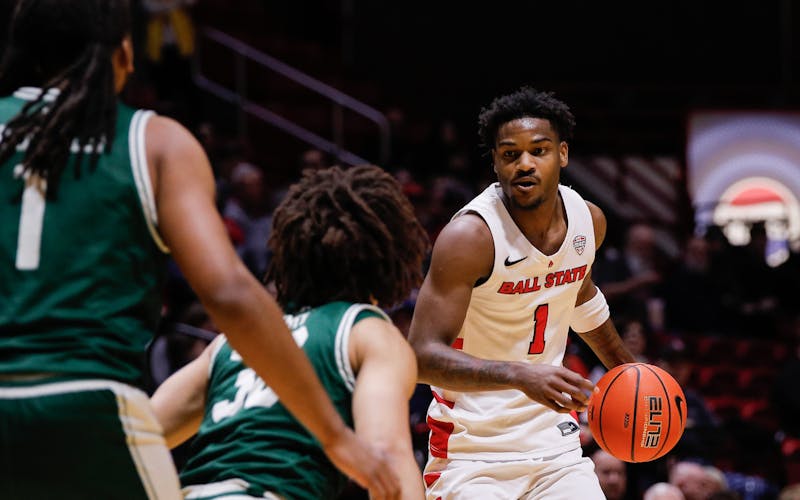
point(345, 235)
point(525, 102)
point(65, 45)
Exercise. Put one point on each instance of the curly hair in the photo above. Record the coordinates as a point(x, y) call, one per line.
point(345, 234)
point(525, 102)
point(65, 45)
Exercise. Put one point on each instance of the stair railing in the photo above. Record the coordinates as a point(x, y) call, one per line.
point(340, 101)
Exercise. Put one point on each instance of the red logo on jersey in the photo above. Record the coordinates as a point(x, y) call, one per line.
point(556, 278)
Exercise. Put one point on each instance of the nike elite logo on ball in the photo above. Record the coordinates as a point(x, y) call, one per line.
point(512, 262)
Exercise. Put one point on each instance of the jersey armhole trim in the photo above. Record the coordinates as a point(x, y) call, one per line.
point(343, 341)
point(472, 211)
point(214, 352)
point(141, 174)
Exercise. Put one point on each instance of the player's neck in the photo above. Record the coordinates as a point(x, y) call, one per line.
point(545, 226)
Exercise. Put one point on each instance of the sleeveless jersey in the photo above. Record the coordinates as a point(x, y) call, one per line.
point(81, 274)
point(521, 313)
point(246, 432)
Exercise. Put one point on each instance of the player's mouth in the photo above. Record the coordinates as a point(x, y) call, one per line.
point(525, 185)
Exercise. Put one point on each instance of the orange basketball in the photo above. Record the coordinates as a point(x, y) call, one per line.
point(638, 413)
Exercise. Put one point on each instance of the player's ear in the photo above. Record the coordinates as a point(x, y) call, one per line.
point(563, 154)
point(122, 61)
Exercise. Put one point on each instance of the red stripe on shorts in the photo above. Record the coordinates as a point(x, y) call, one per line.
point(440, 435)
point(441, 400)
point(431, 478)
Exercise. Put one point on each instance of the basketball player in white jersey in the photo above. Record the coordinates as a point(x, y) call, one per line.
point(509, 275)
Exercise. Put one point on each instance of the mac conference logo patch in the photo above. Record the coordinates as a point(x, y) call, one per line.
point(579, 243)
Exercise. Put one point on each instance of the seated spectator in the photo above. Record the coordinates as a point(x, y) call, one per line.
point(630, 278)
point(612, 474)
point(693, 480)
point(663, 491)
point(249, 207)
point(725, 495)
point(751, 487)
point(703, 433)
point(169, 48)
point(785, 396)
point(635, 337)
point(315, 159)
point(791, 492)
point(689, 284)
point(759, 290)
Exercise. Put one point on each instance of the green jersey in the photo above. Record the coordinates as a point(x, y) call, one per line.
point(80, 275)
point(246, 432)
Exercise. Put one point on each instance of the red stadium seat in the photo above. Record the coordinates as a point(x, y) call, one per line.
point(758, 352)
point(718, 381)
point(726, 408)
point(760, 413)
point(715, 350)
point(756, 382)
point(790, 448)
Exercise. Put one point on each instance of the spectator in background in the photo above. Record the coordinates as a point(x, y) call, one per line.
point(446, 195)
point(250, 209)
point(702, 434)
point(693, 480)
point(791, 492)
point(690, 284)
point(722, 259)
point(635, 337)
point(718, 483)
point(759, 285)
point(725, 495)
point(169, 47)
point(612, 474)
point(663, 491)
point(750, 487)
point(180, 342)
point(309, 159)
point(315, 159)
point(446, 151)
point(785, 395)
point(630, 278)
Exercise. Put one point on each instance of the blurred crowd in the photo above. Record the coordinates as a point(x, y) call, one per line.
point(722, 321)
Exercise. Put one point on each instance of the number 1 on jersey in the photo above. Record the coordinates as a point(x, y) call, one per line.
point(31, 220)
point(539, 325)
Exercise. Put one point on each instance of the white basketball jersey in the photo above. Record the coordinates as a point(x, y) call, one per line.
point(521, 313)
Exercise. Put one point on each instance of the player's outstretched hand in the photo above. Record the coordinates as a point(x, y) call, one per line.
point(556, 387)
point(364, 465)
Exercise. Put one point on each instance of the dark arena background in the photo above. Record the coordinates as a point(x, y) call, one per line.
point(687, 136)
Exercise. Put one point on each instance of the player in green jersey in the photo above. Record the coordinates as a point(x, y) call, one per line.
point(343, 240)
point(92, 195)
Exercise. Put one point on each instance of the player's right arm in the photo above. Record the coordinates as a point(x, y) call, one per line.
point(239, 305)
point(179, 402)
point(386, 375)
point(462, 254)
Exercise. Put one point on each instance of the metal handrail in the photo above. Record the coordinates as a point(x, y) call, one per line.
point(339, 99)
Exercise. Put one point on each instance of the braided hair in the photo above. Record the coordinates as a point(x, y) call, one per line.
point(345, 234)
point(65, 45)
